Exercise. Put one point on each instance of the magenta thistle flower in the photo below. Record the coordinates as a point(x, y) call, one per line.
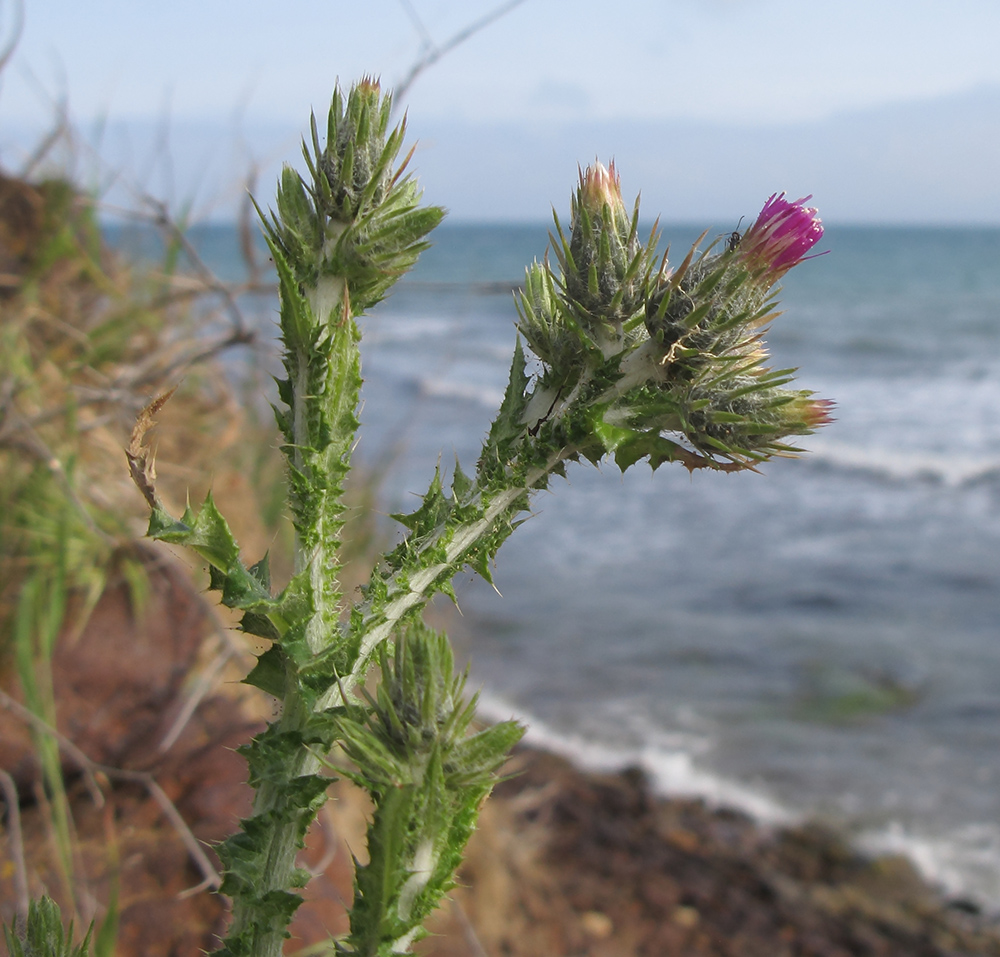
point(780, 238)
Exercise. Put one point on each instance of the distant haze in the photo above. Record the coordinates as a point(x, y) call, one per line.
point(934, 161)
point(925, 161)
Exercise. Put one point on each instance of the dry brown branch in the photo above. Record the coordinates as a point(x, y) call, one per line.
point(213, 284)
point(10, 44)
point(468, 931)
point(204, 684)
point(328, 829)
point(246, 221)
point(157, 557)
point(90, 768)
point(60, 130)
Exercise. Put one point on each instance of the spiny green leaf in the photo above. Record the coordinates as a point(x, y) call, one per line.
point(270, 672)
point(206, 532)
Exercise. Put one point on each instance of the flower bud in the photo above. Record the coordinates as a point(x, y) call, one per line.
point(543, 323)
point(600, 187)
point(427, 775)
point(748, 418)
point(603, 258)
point(809, 413)
point(354, 160)
point(675, 306)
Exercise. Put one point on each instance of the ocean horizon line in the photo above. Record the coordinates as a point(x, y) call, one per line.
point(457, 221)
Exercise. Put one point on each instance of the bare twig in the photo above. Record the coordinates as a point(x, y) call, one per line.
point(16, 840)
point(211, 878)
point(90, 768)
point(248, 248)
point(79, 758)
point(471, 937)
point(160, 155)
point(328, 829)
point(157, 557)
point(431, 53)
point(202, 687)
point(411, 12)
point(162, 218)
point(10, 44)
point(60, 129)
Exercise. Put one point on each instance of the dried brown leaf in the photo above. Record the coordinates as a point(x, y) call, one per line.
point(141, 460)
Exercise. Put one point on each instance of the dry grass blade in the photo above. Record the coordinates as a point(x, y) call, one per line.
point(16, 842)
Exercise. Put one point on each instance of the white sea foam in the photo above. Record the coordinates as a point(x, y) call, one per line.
point(408, 328)
point(672, 770)
point(963, 863)
point(902, 465)
point(462, 391)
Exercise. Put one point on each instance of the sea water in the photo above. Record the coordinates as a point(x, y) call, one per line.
point(820, 639)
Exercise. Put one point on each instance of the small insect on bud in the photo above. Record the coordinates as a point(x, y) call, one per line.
point(734, 238)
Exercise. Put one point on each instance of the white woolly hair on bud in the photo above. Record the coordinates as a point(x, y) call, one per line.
point(420, 873)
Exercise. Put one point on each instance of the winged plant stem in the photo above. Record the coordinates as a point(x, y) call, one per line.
point(339, 240)
point(317, 560)
point(411, 593)
point(326, 242)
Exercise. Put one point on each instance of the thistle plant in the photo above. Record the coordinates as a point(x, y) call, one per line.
point(44, 935)
point(636, 360)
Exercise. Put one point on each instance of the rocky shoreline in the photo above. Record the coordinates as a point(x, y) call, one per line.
point(575, 863)
point(565, 863)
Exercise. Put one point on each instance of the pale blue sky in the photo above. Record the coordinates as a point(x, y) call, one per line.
point(239, 69)
point(746, 60)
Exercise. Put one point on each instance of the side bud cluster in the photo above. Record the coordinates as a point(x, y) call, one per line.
point(549, 328)
point(672, 362)
point(708, 320)
point(690, 311)
point(427, 777)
